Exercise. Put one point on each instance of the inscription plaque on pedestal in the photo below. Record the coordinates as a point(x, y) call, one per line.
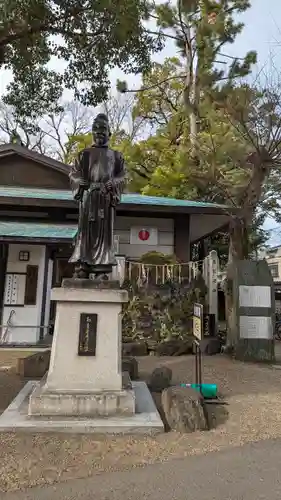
point(87, 334)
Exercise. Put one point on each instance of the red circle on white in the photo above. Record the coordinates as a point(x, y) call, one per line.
point(144, 235)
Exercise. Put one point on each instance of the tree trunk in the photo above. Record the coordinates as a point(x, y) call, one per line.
point(238, 240)
point(191, 93)
point(238, 250)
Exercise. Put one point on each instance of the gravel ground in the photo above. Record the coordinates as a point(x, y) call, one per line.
point(10, 357)
point(254, 414)
point(10, 383)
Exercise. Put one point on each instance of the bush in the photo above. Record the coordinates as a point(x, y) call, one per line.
point(163, 312)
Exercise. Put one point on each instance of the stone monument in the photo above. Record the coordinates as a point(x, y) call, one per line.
point(252, 317)
point(84, 378)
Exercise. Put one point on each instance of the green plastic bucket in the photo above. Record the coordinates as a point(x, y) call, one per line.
point(208, 391)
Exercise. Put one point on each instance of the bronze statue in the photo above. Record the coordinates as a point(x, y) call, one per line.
point(97, 180)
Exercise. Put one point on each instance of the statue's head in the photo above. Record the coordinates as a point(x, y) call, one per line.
point(101, 130)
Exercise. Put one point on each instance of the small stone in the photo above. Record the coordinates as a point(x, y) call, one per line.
point(183, 409)
point(135, 349)
point(130, 365)
point(160, 379)
point(175, 347)
point(211, 346)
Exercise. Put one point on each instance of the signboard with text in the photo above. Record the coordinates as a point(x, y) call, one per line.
point(198, 321)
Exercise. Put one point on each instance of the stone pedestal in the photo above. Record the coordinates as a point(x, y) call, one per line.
point(85, 375)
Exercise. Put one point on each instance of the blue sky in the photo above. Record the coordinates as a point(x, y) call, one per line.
point(262, 33)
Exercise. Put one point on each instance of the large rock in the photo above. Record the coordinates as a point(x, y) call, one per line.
point(135, 349)
point(175, 347)
point(34, 366)
point(130, 365)
point(160, 379)
point(183, 409)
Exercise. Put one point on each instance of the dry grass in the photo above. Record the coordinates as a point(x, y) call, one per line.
point(255, 414)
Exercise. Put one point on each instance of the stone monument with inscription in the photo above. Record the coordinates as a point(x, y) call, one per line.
point(253, 314)
point(85, 378)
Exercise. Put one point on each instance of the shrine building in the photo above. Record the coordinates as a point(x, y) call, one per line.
point(38, 220)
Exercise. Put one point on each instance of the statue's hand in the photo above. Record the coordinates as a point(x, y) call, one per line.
point(78, 196)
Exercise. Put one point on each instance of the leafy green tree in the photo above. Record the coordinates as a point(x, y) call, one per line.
point(231, 142)
point(200, 31)
point(88, 36)
point(218, 143)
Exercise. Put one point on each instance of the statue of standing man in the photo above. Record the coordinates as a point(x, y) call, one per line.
point(97, 180)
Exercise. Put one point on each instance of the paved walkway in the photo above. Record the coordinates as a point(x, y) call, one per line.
point(251, 472)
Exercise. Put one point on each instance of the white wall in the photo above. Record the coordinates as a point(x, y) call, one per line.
point(25, 315)
point(165, 229)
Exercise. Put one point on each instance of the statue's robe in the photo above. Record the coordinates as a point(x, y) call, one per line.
point(94, 244)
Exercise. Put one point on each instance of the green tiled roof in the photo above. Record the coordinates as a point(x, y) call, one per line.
point(34, 230)
point(46, 194)
point(131, 199)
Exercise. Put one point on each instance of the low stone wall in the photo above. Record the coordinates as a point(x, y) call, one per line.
point(34, 366)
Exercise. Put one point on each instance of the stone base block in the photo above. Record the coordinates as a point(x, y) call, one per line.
point(70, 404)
point(74, 366)
point(146, 420)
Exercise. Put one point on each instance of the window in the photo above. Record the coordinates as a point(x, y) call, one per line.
point(24, 256)
point(274, 270)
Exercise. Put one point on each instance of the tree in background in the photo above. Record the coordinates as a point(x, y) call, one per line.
point(176, 96)
point(61, 135)
point(126, 132)
point(87, 37)
point(258, 239)
point(229, 149)
point(200, 31)
point(49, 134)
point(209, 123)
